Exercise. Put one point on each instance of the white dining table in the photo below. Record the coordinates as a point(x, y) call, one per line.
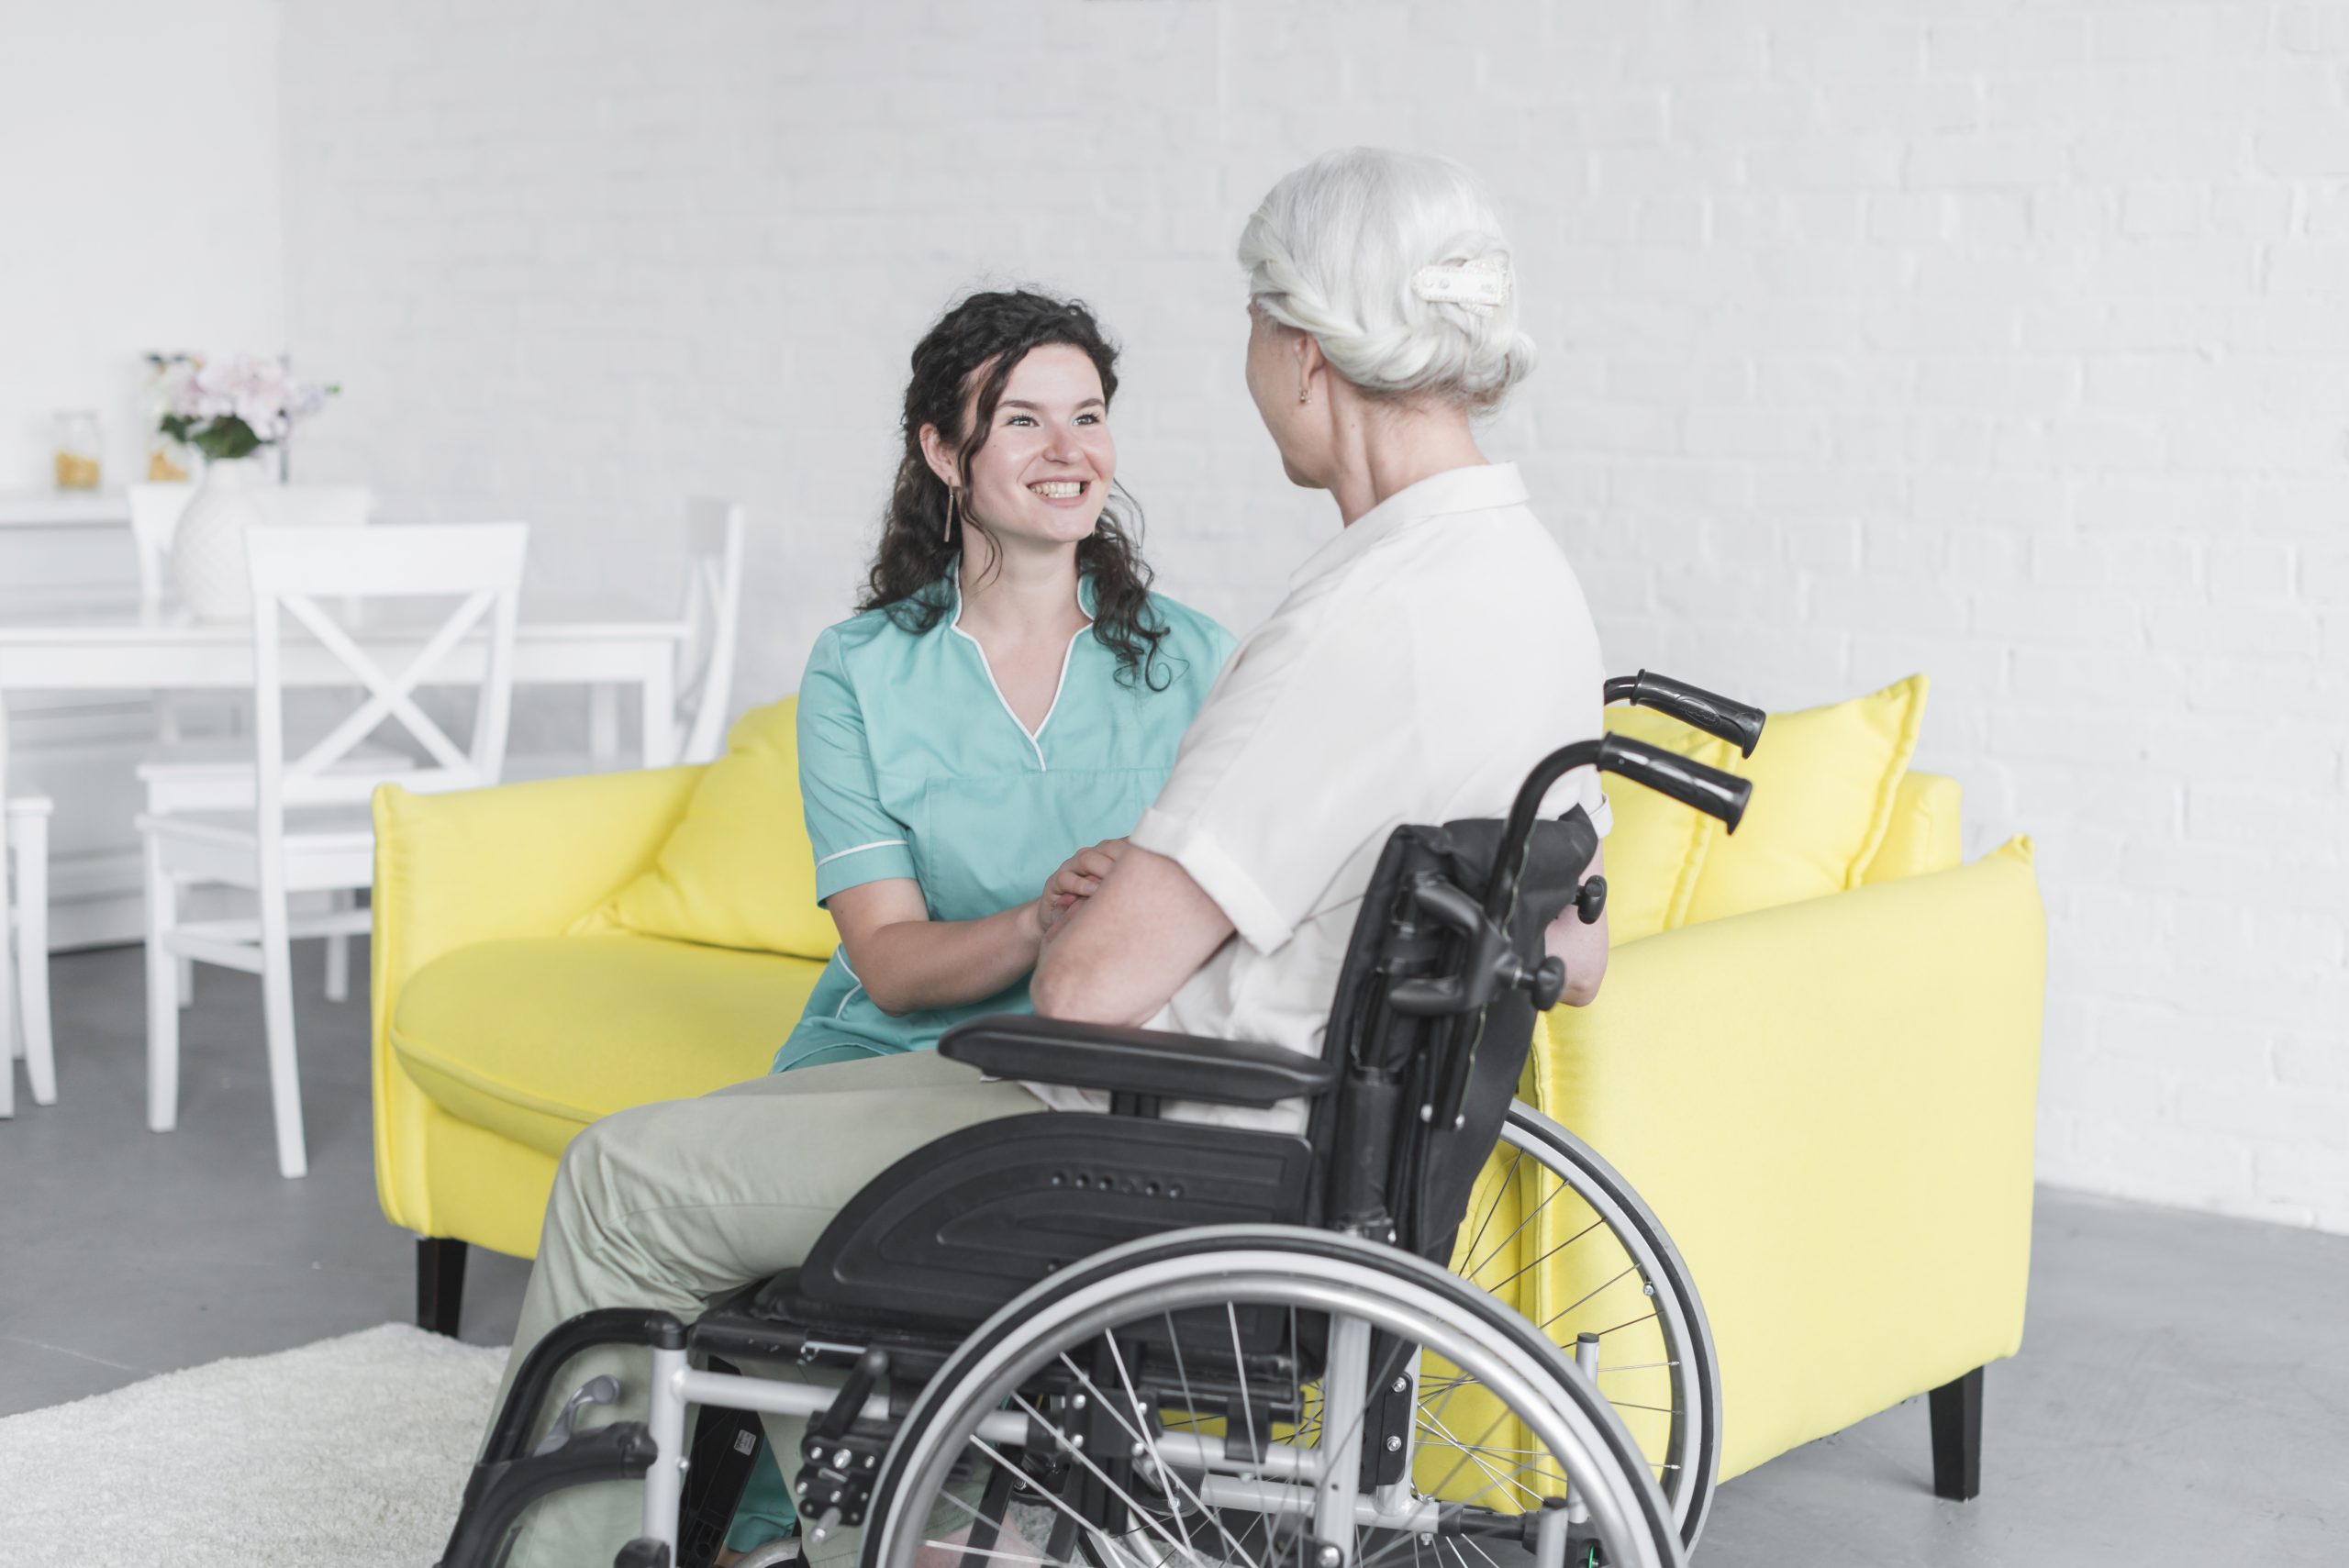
point(95, 643)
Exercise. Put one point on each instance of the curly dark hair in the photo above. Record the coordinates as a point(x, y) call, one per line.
point(981, 342)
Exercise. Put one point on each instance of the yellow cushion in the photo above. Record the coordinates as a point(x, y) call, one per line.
point(534, 1039)
point(1924, 833)
point(1824, 784)
point(735, 870)
point(1656, 851)
point(1824, 780)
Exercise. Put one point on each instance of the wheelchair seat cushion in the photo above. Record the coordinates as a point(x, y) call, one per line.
point(533, 1039)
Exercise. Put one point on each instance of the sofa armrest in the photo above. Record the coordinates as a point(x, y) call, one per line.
point(1830, 1105)
point(454, 870)
point(1153, 1064)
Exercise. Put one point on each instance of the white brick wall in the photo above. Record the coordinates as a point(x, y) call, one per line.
point(2002, 341)
point(117, 241)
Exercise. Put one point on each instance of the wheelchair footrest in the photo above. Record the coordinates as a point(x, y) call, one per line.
point(497, 1492)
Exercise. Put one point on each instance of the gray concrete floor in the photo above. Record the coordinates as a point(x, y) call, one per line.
point(2182, 1397)
point(125, 1253)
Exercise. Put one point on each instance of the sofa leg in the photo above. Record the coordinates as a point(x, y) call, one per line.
point(440, 1286)
point(1956, 1409)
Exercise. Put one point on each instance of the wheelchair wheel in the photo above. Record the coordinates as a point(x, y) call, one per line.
point(1216, 1397)
point(1554, 1231)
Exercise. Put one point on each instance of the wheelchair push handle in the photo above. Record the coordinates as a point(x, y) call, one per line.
point(1738, 723)
point(1709, 790)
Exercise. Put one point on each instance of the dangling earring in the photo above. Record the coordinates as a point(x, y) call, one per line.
point(954, 501)
point(1300, 392)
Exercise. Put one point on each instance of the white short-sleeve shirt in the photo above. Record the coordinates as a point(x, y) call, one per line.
point(1423, 662)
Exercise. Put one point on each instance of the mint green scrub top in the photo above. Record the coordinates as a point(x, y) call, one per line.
point(911, 765)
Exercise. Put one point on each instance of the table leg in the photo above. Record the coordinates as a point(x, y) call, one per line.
point(604, 723)
point(660, 717)
point(8, 939)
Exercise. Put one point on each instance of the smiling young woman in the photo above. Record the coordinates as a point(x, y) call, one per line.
point(975, 744)
point(1008, 701)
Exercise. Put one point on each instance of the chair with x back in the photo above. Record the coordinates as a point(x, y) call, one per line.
point(355, 602)
point(201, 760)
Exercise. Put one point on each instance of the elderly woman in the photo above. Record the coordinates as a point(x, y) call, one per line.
point(1424, 659)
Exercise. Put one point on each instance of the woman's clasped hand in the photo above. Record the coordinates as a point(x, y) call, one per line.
point(1077, 879)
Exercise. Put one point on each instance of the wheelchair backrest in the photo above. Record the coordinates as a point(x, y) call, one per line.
point(1387, 1151)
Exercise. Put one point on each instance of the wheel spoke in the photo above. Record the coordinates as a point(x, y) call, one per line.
point(1545, 1257)
point(1139, 1430)
point(1594, 1290)
point(1100, 1475)
point(1469, 1274)
point(979, 1517)
point(1139, 1433)
point(1472, 1454)
point(1240, 1373)
point(1508, 1182)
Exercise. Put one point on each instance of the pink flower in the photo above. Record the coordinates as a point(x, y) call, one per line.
point(251, 387)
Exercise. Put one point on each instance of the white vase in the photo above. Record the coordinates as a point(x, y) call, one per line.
point(208, 547)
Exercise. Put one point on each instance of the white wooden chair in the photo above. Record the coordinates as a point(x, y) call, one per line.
point(705, 676)
point(214, 772)
point(309, 829)
point(24, 952)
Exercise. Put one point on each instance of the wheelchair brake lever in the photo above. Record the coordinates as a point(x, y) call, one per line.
point(1480, 969)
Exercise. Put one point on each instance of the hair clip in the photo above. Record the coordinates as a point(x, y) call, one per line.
point(1481, 282)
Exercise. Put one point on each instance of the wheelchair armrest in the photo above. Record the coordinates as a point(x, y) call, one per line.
point(1154, 1063)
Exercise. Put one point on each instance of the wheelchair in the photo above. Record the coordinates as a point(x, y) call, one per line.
point(1119, 1341)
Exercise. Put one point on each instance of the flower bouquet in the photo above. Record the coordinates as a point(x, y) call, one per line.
point(229, 411)
point(233, 409)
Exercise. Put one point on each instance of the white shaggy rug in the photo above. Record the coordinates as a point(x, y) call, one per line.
point(347, 1453)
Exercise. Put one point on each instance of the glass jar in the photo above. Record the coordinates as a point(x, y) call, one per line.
point(78, 445)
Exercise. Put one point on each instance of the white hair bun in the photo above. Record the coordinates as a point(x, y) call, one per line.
point(1395, 262)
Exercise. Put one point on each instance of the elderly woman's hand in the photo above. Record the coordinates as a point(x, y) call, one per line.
point(1079, 876)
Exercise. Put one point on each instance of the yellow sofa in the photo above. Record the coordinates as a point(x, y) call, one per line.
point(1829, 1104)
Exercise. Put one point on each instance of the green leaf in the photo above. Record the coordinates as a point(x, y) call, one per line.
point(226, 439)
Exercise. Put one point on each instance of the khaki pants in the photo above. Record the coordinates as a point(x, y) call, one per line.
point(666, 1205)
